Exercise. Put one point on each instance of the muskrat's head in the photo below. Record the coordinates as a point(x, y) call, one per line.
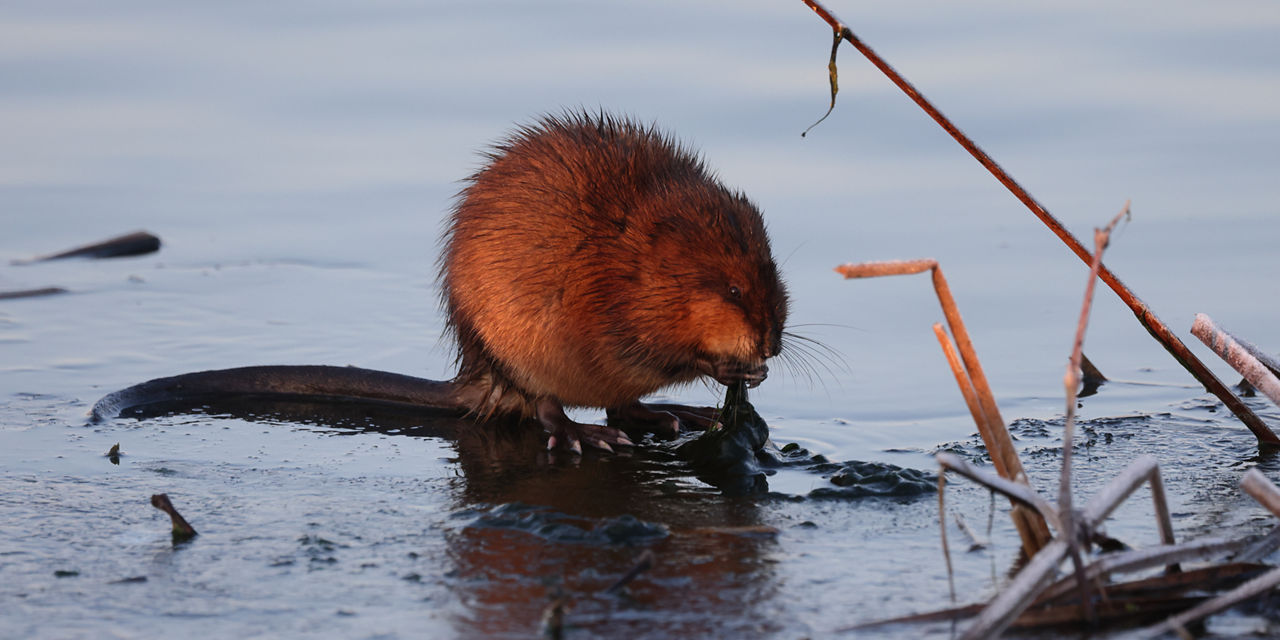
point(741, 305)
point(673, 269)
point(730, 305)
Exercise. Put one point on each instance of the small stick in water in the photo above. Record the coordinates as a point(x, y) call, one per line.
point(1243, 359)
point(181, 530)
point(132, 244)
point(1090, 376)
point(976, 542)
point(553, 618)
point(31, 293)
point(642, 565)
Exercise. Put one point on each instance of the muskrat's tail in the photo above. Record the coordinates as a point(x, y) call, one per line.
point(302, 383)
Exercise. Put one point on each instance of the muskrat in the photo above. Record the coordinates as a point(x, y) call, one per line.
point(594, 261)
point(590, 262)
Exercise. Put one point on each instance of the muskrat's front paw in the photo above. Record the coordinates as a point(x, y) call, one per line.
point(637, 419)
point(698, 418)
point(571, 436)
point(665, 420)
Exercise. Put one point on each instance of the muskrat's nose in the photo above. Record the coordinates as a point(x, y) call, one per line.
point(770, 347)
point(754, 377)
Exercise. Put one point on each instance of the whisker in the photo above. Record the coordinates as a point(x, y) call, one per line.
point(787, 258)
point(800, 366)
point(811, 359)
point(818, 350)
point(828, 325)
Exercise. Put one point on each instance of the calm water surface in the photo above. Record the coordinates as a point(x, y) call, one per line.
point(298, 158)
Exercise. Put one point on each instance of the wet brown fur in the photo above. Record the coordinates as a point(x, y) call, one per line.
point(594, 261)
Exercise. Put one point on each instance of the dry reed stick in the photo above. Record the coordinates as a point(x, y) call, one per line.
point(1071, 380)
point(1038, 573)
point(1004, 455)
point(962, 379)
point(942, 531)
point(976, 541)
point(1237, 355)
point(1158, 329)
point(1017, 492)
point(1261, 489)
point(1203, 550)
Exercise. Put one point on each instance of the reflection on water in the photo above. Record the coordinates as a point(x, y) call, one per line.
point(296, 161)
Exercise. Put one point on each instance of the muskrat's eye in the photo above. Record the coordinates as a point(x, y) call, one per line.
point(735, 292)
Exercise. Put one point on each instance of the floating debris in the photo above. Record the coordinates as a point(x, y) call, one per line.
point(131, 244)
point(976, 542)
point(181, 530)
point(31, 293)
point(553, 618)
point(643, 564)
point(1091, 378)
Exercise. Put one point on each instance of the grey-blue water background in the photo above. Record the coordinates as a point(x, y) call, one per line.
point(297, 159)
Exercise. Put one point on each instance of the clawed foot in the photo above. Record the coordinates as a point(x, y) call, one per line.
point(567, 434)
point(665, 420)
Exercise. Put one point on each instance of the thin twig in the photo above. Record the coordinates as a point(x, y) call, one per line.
point(1159, 330)
point(1015, 491)
point(31, 293)
point(1141, 471)
point(553, 617)
point(643, 564)
point(976, 542)
point(1071, 381)
point(942, 528)
point(1019, 594)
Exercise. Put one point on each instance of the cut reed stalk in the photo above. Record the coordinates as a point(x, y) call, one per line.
point(973, 385)
point(1241, 358)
